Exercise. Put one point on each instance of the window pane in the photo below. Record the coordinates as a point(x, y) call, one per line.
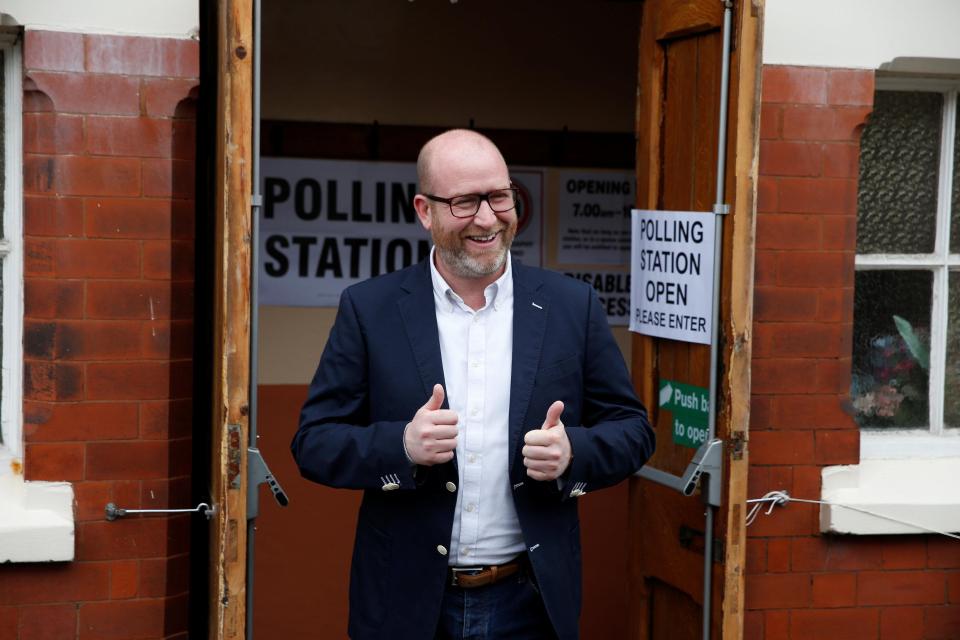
point(955, 200)
point(890, 359)
point(899, 161)
point(951, 406)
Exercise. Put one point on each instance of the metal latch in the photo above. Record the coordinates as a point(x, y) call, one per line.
point(259, 473)
point(114, 512)
point(707, 461)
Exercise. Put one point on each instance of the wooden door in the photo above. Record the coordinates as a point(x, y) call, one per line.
point(681, 45)
point(231, 347)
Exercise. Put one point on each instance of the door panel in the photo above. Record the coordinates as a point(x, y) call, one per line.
point(677, 132)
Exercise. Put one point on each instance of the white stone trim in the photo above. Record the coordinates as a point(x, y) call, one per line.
point(36, 520)
point(922, 492)
point(920, 444)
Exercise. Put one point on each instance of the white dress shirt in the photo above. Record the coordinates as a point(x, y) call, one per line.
point(477, 352)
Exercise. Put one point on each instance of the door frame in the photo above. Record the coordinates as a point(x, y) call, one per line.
point(231, 320)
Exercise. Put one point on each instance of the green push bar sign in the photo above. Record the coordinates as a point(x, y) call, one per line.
point(690, 408)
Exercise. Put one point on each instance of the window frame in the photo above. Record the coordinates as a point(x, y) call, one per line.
point(935, 441)
point(11, 256)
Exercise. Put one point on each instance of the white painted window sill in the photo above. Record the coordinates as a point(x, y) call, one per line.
point(922, 491)
point(36, 520)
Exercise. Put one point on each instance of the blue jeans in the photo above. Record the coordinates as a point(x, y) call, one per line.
point(511, 608)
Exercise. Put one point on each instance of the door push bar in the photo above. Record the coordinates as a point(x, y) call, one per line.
point(707, 461)
point(258, 474)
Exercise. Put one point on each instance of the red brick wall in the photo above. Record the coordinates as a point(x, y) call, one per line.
point(108, 133)
point(801, 584)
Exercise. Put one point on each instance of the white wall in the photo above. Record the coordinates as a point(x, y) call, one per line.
point(173, 18)
point(867, 34)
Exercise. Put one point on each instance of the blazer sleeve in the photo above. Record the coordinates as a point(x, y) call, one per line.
point(615, 438)
point(336, 444)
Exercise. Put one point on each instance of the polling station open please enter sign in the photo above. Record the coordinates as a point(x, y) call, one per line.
point(672, 264)
point(689, 406)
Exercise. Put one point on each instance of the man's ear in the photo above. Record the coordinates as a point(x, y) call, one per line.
point(422, 205)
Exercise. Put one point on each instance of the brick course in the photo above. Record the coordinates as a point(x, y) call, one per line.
point(108, 222)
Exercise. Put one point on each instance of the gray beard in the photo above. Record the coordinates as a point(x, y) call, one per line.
point(464, 265)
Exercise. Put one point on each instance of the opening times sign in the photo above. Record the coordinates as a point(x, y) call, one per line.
point(671, 295)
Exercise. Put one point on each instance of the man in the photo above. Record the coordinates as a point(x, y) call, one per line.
point(472, 399)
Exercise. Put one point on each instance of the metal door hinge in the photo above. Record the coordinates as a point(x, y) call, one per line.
point(687, 535)
point(736, 444)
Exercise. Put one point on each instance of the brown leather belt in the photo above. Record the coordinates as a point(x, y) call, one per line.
point(473, 577)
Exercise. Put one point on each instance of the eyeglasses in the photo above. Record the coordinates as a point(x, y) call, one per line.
point(467, 206)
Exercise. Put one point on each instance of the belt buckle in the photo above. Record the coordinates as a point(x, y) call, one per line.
point(454, 571)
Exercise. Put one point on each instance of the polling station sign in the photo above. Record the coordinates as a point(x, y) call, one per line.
point(327, 224)
point(671, 294)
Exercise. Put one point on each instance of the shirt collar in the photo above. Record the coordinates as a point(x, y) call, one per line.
point(497, 294)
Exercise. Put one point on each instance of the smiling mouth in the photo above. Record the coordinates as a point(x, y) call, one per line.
point(485, 240)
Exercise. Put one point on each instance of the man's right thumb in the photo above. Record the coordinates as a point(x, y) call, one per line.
point(436, 400)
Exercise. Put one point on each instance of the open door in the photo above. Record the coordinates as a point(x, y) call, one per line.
point(678, 128)
point(231, 320)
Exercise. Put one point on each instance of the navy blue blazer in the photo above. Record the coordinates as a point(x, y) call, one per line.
point(379, 366)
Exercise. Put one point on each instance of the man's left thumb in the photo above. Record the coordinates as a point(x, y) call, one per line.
point(553, 415)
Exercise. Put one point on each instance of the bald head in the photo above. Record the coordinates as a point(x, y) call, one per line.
point(455, 145)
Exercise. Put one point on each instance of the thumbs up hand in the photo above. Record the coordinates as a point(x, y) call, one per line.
point(431, 437)
point(546, 451)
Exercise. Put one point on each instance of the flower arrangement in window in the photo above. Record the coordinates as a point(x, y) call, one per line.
point(892, 391)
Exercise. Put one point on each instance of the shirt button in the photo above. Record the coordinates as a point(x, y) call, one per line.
point(451, 487)
point(475, 364)
point(470, 507)
point(472, 458)
point(466, 551)
point(442, 550)
point(474, 411)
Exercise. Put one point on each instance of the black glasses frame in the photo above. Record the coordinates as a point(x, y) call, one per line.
point(481, 198)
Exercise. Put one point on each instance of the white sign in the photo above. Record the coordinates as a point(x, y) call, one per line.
point(613, 289)
point(593, 216)
point(672, 267)
point(327, 224)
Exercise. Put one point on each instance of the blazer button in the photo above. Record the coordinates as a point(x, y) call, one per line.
point(442, 550)
point(390, 486)
point(451, 487)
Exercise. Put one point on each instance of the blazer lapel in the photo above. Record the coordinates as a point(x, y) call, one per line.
point(419, 314)
point(530, 308)
point(420, 323)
